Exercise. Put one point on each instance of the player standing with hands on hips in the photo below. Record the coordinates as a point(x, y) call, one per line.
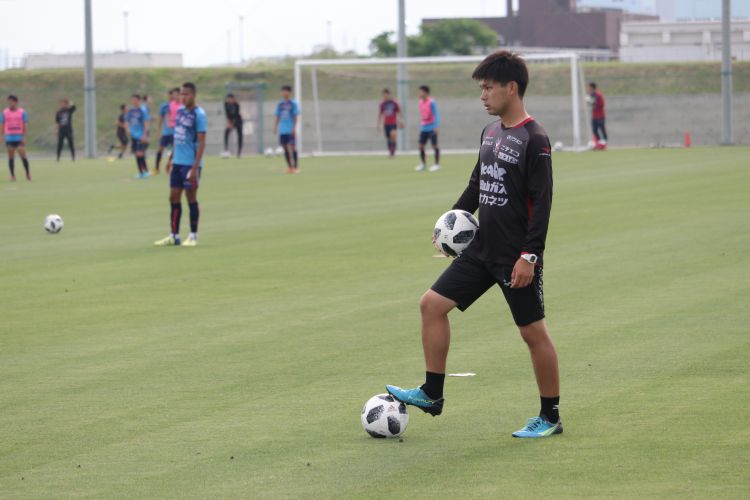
point(184, 166)
point(511, 185)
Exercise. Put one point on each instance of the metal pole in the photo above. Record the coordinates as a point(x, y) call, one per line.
point(242, 40)
point(89, 87)
point(259, 110)
point(298, 97)
point(316, 109)
point(125, 30)
point(574, 95)
point(402, 76)
point(726, 73)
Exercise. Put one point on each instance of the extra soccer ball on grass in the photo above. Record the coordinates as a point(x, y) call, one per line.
point(384, 417)
point(454, 230)
point(53, 224)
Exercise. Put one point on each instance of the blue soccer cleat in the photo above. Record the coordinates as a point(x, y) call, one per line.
point(537, 427)
point(417, 397)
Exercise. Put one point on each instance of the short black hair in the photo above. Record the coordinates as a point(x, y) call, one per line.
point(386, 91)
point(230, 95)
point(286, 87)
point(144, 97)
point(425, 88)
point(122, 107)
point(189, 85)
point(592, 85)
point(137, 96)
point(504, 66)
point(176, 89)
point(12, 98)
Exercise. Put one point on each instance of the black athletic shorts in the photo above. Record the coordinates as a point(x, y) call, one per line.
point(430, 135)
point(467, 278)
point(388, 129)
point(137, 145)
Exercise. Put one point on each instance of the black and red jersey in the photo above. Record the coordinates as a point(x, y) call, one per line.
point(511, 185)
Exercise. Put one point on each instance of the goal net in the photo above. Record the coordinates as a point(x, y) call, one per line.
point(339, 100)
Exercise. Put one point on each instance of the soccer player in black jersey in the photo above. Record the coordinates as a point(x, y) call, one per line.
point(234, 122)
point(64, 123)
point(122, 132)
point(511, 186)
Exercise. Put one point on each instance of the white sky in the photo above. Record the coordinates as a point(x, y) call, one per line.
point(198, 28)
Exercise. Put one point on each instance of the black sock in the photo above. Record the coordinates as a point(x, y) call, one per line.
point(25, 165)
point(437, 156)
point(433, 385)
point(119, 157)
point(158, 159)
point(549, 409)
point(138, 164)
point(175, 213)
point(421, 156)
point(194, 215)
point(294, 155)
point(12, 166)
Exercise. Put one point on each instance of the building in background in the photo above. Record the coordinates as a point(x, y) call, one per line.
point(645, 7)
point(681, 41)
point(104, 60)
point(558, 24)
point(686, 10)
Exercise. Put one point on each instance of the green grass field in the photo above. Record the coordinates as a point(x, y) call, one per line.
point(238, 369)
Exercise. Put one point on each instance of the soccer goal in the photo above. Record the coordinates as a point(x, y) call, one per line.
point(339, 99)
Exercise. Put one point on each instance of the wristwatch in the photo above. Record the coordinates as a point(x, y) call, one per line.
point(529, 257)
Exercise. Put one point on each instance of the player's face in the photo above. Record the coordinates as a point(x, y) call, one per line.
point(495, 97)
point(386, 95)
point(422, 94)
point(174, 95)
point(12, 104)
point(286, 94)
point(135, 102)
point(188, 98)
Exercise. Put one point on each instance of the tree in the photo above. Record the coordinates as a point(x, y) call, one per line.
point(382, 45)
point(450, 36)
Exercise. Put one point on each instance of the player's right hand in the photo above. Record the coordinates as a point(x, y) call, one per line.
point(168, 169)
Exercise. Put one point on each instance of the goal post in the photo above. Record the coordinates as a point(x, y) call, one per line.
point(338, 100)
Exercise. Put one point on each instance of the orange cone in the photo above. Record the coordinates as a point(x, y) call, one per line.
point(688, 140)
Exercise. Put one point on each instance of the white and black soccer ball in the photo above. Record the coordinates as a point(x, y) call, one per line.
point(53, 223)
point(383, 416)
point(269, 152)
point(558, 146)
point(454, 230)
point(279, 151)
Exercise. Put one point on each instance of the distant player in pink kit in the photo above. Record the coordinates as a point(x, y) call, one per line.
point(167, 117)
point(13, 121)
point(428, 128)
point(388, 116)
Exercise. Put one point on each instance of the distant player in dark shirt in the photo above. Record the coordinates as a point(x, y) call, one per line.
point(598, 116)
point(121, 130)
point(64, 124)
point(234, 122)
point(511, 186)
point(388, 116)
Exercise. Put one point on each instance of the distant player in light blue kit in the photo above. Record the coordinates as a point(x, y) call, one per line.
point(138, 119)
point(184, 166)
point(287, 114)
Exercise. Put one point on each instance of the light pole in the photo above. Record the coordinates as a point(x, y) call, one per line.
point(726, 73)
point(125, 29)
point(89, 88)
point(242, 40)
point(401, 76)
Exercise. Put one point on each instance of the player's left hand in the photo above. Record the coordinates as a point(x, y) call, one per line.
point(522, 275)
point(192, 176)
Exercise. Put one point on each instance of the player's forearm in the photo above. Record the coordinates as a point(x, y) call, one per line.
point(201, 149)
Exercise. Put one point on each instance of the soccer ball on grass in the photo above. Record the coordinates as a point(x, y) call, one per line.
point(53, 223)
point(384, 417)
point(454, 230)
